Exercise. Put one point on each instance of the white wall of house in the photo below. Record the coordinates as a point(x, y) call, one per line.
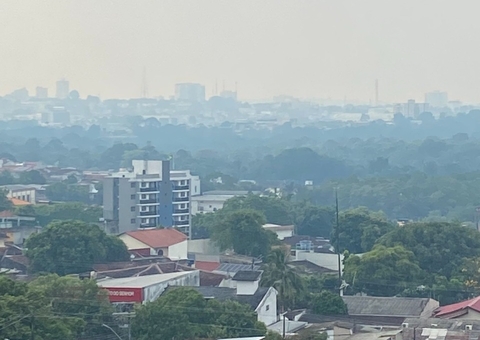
point(189, 279)
point(203, 246)
point(178, 251)
point(246, 287)
point(329, 261)
point(267, 308)
point(29, 195)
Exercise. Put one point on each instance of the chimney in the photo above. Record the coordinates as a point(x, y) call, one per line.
point(247, 281)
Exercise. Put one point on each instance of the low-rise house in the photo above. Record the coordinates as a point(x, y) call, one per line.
point(388, 310)
point(141, 289)
point(440, 329)
point(469, 309)
point(282, 231)
point(263, 300)
point(165, 242)
point(26, 193)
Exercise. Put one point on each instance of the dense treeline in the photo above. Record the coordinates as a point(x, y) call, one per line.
point(404, 171)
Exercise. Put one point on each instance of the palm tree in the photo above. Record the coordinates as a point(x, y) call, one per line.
point(282, 277)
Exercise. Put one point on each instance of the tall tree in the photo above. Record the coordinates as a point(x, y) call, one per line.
point(383, 271)
point(277, 273)
point(328, 303)
point(243, 232)
point(359, 230)
point(70, 246)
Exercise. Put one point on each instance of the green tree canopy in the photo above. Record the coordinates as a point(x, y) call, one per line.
point(52, 307)
point(328, 303)
point(359, 230)
point(71, 246)
point(183, 314)
point(277, 273)
point(439, 248)
point(242, 231)
point(383, 271)
point(274, 209)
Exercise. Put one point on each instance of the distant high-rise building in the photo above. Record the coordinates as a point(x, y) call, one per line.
point(41, 92)
point(411, 109)
point(190, 92)
point(63, 89)
point(437, 99)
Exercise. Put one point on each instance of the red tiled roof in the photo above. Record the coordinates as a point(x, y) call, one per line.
point(18, 202)
point(6, 213)
point(158, 238)
point(208, 266)
point(456, 307)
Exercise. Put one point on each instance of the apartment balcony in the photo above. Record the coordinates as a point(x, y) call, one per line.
point(181, 187)
point(148, 201)
point(149, 213)
point(181, 211)
point(148, 225)
point(181, 199)
point(180, 223)
point(149, 189)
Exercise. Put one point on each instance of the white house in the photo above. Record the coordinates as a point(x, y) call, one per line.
point(263, 300)
point(282, 231)
point(167, 242)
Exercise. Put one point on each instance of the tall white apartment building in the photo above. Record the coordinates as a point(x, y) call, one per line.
point(184, 187)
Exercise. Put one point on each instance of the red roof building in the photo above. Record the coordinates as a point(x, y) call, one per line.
point(167, 242)
point(469, 309)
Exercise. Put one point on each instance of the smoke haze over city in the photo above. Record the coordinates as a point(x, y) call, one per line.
point(307, 49)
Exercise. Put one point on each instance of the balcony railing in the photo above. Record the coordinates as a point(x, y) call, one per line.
point(148, 213)
point(181, 211)
point(181, 222)
point(149, 189)
point(181, 199)
point(148, 225)
point(180, 187)
point(148, 201)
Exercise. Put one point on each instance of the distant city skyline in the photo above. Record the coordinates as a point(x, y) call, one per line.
point(306, 49)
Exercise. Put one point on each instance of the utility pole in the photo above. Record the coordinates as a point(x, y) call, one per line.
point(32, 327)
point(337, 246)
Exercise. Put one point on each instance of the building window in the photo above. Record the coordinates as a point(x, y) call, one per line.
point(144, 196)
point(132, 208)
point(210, 206)
point(132, 197)
point(132, 185)
point(214, 209)
point(144, 220)
point(267, 308)
point(132, 221)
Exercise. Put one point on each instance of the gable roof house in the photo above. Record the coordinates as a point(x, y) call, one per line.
point(388, 310)
point(263, 300)
point(152, 242)
point(469, 309)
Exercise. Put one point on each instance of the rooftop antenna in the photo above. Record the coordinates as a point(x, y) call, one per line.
point(376, 92)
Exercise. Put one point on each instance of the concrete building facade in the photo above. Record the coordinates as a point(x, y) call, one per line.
point(151, 195)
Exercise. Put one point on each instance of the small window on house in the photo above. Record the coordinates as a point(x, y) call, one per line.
point(210, 206)
point(28, 198)
point(214, 209)
point(267, 308)
point(132, 208)
point(132, 197)
point(132, 221)
point(144, 220)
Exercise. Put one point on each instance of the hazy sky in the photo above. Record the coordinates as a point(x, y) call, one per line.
point(303, 48)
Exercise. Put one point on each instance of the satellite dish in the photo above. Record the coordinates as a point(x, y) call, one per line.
point(132, 257)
